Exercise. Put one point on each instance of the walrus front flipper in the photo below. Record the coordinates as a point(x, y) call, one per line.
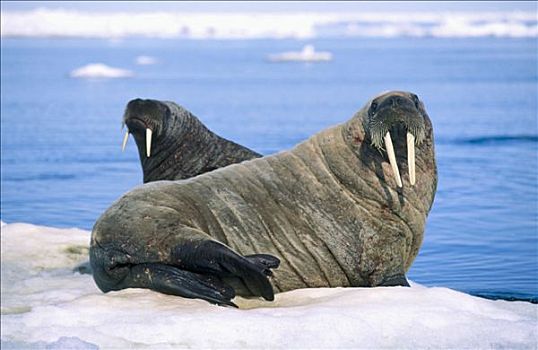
point(269, 261)
point(217, 259)
point(171, 280)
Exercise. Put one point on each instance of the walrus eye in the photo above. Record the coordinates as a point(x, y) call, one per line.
point(416, 100)
point(373, 107)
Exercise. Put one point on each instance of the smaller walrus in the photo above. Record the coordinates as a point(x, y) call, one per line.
point(334, 211)
point(173, 144)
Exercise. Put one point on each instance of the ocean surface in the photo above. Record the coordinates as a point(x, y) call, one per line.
point(62, 165)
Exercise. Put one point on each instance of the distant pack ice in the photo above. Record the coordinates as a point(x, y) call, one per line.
point(278, 25)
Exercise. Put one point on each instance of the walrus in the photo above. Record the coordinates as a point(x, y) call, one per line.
point(346, 207)
point(173, 144)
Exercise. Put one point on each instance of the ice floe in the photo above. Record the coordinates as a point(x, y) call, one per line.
point(307, 54)
point(46, 305)
point(100, 70)
point(145, 60)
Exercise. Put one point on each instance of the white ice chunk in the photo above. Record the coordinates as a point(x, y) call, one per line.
point(307, 54)
point(145, 60)
point(100, 70)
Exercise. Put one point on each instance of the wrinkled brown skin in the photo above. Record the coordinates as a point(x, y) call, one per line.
point(329, 209)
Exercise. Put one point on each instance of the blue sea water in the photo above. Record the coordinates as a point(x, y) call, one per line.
point(61, 163)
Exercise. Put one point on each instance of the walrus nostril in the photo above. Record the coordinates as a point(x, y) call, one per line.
point(401, 101)
point(395, 101)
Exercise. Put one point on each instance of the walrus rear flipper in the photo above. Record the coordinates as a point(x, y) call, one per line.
point(171, 280)
point(214, 258)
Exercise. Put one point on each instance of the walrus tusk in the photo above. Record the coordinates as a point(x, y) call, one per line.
point(392, 158)
point(149, 132)
point(411, 157)
point(125, 138)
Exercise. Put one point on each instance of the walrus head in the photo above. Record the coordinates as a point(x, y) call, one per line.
point(144, 118)
point(159, 129)
point(398, 116)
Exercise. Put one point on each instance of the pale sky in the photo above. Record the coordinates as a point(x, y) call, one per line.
point(295, 6)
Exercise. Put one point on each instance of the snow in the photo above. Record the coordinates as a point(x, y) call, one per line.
point(229, 25)
point(46, 305)
point(100, 70)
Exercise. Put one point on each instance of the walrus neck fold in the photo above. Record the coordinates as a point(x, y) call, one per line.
point(337, 148)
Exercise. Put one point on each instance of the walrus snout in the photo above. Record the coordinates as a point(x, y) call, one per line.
point(392, 115)
point(147, 113)
point(397, 102)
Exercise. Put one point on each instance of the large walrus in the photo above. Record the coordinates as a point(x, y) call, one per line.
point(173, 144)
point(346, 207)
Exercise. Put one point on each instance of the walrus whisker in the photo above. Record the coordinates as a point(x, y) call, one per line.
point(411, 157)
point(378, 131)
point(125, 138)
point(149, 133)
point(392, 158)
